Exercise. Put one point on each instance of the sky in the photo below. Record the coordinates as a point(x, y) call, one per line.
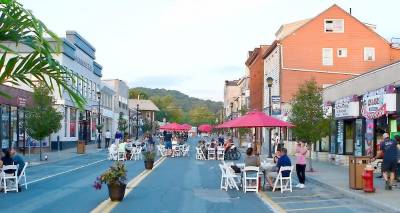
point(190, 45)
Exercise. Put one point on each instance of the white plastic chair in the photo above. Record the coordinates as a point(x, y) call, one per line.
point(199, 154)
point(23, 176)
point(162, 150)
point(211, 154)
point(220, 153)
point(10, 181)
point(232, 179)
point(112, 153)
point(286, 182)
point(250, 175)
point(224, 178)
point(121, 155)
point(185, 150)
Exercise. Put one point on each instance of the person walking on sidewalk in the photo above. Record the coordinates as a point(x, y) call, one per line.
point(301, 152)
point(108, 138)
point(389, 164)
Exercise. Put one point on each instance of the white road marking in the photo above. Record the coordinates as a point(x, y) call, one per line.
point(310, 201)
point(317, 208)
point(61, 173)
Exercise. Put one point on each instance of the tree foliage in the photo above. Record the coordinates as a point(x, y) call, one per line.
point(19, 26)
point(201, 115)
point(168, 109)
point(307, 113)
point(42, 119)
point(122, 123)
point(134, 93)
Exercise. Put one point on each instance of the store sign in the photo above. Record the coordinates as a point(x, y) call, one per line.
point(378, 103)
point(347, 107)
point(276, 105)
point(21, 102)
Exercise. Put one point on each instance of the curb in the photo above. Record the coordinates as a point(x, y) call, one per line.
point(276, 208)
point(108, 205)
point(49, 162)
point(384, 207)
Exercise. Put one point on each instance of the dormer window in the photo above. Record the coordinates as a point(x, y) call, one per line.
point(334, 25)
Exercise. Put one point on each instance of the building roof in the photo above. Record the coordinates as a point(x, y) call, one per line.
point(231, 83)
point(144, 105)
point(289, 28)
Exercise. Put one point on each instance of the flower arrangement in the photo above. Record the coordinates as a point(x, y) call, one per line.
point(115, 175)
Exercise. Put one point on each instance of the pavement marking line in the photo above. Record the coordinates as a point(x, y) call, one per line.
point(317, 208)
point(108, 205)
point(267, 200)
point(61, 173)
point(315, 195)
point(309, 201)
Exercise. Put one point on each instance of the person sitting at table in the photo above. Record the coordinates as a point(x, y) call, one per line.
point(7, 160)
point(228, 145)
point(283, 160)
point(18, 160)
point(251, 160)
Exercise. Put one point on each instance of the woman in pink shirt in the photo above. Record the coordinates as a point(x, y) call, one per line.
point(301, 152)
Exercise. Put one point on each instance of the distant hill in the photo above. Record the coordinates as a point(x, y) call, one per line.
point(182, 100)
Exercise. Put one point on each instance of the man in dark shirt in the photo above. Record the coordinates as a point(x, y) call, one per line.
point(389, 164)
point(284, 160)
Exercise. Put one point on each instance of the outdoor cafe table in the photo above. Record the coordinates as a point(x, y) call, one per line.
point(265, 168)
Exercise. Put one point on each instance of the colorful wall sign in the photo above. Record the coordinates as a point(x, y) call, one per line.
point(377, 103)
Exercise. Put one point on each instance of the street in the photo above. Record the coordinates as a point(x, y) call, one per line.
point(177, 185)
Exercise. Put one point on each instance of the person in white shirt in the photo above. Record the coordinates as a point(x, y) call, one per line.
point(277, 141)
point(108, 138)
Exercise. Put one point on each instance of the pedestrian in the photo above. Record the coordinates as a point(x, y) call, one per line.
point(18, 160)
point(150, 142)
point(118, 137)
point(168, 142)
point(277, 142)
point(301, 152)
point(397, 138)
point(389, 165)
point(108, 138)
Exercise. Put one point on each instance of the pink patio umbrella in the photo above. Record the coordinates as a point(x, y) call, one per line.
point(187, 126)
point(173, 127)
point(205, 128)
point(256, 119)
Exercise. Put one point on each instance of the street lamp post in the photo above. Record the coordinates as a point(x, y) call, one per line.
point(137, 121)
point(98, 121)
point(231, 114)
point(269, 83)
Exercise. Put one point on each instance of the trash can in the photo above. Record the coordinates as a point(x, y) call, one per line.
point(356, 168)
point(81, 148)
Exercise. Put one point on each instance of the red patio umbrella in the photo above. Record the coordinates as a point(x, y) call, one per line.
point(205, 128)
point(173, 127)
point(187, 126)
point(255, 119)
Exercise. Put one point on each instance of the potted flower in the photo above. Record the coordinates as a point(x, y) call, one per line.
point(115, 178)
point(149, 157)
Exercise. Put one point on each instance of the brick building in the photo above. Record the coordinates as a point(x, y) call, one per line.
point(331, 47)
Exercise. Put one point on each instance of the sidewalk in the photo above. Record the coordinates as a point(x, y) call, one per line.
point(54, 156)
point(337, 178)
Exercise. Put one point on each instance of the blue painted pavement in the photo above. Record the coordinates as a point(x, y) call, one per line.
point(187, 185)
point(68, 192)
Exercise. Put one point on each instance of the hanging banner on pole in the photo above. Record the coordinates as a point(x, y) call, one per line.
point(276, 105)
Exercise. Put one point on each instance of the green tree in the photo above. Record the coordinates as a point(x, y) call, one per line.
point(168, 109)
point(42, 119)
point(122, 123)
point(308, 115)
point(135, 92)
point(19, 26)
point(201, 115)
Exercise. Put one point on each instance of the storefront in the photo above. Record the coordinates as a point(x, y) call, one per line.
point(364, 108)
point(347, 127)
point(379, 110)
point(12, 117)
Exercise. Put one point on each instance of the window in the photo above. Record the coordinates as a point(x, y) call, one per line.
point(342, 52)
point(327, 56)
point(334, 26)
point(369, 54)
point(72, 122)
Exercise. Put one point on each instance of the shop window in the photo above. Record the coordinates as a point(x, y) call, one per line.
point(324, 144)
point(340, 137)
point(5, 126)
point(65, 121)
point(358, 137)
point(369, 137)
point(14, 126)
point(349, 140)
point(72, 122)
point(381, 128)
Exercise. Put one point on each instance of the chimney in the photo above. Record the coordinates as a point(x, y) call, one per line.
point(350, 11)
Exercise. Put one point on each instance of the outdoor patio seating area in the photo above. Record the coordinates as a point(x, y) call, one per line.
point(11, 179)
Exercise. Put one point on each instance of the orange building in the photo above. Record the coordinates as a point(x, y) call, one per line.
point(255, 65)
point(331, 47)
